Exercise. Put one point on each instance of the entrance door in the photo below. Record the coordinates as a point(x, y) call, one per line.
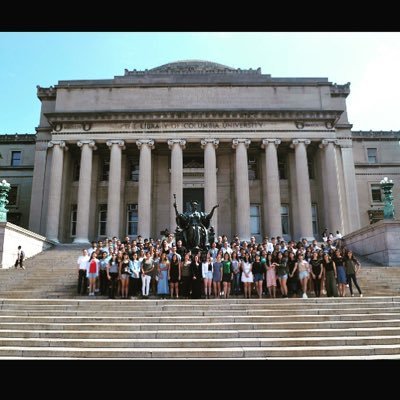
point(193, 194)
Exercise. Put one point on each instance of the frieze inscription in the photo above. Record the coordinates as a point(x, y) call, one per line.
point(190, 126)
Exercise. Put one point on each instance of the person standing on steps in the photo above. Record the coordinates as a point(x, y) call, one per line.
point(20, 258)
point(352, 266)
point(82, 268)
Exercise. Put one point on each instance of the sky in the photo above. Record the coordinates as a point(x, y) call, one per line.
point(369, 61)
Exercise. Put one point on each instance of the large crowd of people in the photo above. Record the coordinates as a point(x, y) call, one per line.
point(135, 268)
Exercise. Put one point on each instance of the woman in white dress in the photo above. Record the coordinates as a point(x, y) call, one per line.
point(247, 275)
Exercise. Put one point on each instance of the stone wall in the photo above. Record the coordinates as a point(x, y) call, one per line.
point(379, 242)
point(12, 236)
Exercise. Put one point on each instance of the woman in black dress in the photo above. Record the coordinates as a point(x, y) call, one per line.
point(174, 275)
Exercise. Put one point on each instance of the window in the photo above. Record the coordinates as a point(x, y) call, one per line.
point(310, 162)
point(371, 155)
point(76, 171)
point(74, 214)
point(102, 219)
point(132, 217)
point(14, 218)
point(190, 161)
point(255, 219)
point(282, 167)
point(376, 193)
point(15, 158)
point(13, 196)
point(134, 169)
point(252, 168)
point(314, 215)
point(105, 170)
point(285, 219)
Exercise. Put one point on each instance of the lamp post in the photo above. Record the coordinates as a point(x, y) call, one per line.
point(387, 186)
point(4, 189)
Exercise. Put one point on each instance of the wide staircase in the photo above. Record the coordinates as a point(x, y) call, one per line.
point(41, 317)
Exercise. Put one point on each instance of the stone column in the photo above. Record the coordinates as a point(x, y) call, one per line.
point(350, 184)
point(303, 188)
point(176, 146)
point(85, 184)
point(145, 182)
point(38, 184)
point(331, 186)
point(210, 179)
point(242, 188)
point(114, 187)
point(53, 212)
point(273, 198)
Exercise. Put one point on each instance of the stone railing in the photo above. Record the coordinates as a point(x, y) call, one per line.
point(12, 236)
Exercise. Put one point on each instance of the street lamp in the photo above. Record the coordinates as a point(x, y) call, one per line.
point(387, 186)
point(4, 189)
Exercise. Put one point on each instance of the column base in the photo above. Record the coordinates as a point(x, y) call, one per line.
point(81, 240)
point(55, 240)
point(309, 238)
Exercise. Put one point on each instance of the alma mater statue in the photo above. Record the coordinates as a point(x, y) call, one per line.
point(194, 227)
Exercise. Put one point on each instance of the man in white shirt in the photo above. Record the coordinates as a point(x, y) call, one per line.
point(82, 266)
point(271, 245)
point(20, 258)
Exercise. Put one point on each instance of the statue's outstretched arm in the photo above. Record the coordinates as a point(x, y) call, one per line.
point(209, 216)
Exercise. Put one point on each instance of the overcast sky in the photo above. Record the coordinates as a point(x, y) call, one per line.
point(369, 61)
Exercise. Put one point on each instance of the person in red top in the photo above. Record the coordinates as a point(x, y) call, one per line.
point(92, 272)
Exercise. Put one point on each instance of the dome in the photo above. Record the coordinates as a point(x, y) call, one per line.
point(191, 66)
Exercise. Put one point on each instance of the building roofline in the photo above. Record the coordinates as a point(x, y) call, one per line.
point(18, 138)
point(375, 134)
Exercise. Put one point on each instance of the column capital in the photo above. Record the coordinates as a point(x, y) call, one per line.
point(90, 143)
point(214, 142)
point(118, 142)
point(148, 142)
point(181, 142)
point(296, 142)
point(236, 142)
point(266, 142)
point(325, 142)
point(61, 143)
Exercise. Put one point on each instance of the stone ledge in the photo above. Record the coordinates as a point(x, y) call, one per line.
point(379, 242)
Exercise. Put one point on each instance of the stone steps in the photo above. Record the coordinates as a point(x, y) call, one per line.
point(181, 343)
point(148, 314)
point(203, 352)
point(201, 326)
point(198, 334)
point(200, 329)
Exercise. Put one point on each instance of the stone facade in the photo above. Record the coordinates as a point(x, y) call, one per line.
point(16, 166)
point(190, 128)
point(376, 155)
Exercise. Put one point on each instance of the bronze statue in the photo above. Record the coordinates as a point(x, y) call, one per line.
point(194, 227)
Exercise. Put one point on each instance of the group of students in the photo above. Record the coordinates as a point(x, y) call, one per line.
point(127, 268)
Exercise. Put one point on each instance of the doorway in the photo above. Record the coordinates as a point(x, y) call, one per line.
point(193, 194)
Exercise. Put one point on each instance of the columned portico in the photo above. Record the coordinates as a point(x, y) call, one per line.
point(53, 213)
point(210, 178)
point(242, 188)
point(303, 188)
point(272, 218)
point(145, 183)
point(85, 180)
point(176, 146)
point(114, 187)
point(185, 117)
point(331, 186)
